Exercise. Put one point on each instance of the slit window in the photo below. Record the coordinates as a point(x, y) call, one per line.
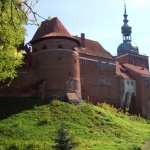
point(60, 46)
point(44, 47)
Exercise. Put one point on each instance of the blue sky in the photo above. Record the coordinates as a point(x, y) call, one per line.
point(100, 20)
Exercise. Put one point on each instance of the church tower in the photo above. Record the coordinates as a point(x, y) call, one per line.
point(126, 52)
point(126, 46)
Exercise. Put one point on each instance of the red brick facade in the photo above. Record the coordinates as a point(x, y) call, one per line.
point(77, 68)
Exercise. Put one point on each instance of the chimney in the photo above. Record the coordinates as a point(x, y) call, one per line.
point(82, 39)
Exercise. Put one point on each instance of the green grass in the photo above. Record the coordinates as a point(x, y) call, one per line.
point(92, 127)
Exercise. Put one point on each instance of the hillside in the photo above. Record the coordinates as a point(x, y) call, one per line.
point(93, 127)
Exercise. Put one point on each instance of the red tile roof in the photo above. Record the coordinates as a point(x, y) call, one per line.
point(121, 71)
point(94, 48)
point(50, 28)
point(54, 28)
point(137, 69)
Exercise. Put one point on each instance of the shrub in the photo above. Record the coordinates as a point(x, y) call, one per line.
point(31, 147)
point(63, 141)
point(42, 122)
point(136, 148)
point(12, 147)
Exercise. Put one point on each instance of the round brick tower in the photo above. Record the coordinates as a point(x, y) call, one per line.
point(56, 62)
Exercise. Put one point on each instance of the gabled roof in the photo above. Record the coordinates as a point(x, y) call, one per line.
point(122, 72)
point(142, 71)
point(51, 28)
point(94, 48)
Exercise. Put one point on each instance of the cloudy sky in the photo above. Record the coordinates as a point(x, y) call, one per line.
point(100, 20)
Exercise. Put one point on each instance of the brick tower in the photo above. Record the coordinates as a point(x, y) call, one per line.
point(56, 61)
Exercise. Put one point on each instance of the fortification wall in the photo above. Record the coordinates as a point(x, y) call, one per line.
point(57, 66)
point(99, 81)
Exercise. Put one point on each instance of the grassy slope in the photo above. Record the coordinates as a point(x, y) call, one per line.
point(93, 127)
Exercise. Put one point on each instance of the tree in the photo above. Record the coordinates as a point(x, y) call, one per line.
point(14, 14)
point(63, 141)
point(11, 37)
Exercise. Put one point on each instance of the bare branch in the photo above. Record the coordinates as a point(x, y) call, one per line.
point(26, 7)
point(31, 11)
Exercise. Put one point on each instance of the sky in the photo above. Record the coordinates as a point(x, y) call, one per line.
point(100, 20)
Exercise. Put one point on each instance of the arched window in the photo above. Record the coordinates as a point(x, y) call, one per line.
point(132, 107)
point(132, 83)
point(126, 100)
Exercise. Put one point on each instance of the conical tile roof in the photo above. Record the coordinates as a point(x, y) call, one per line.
point(50, 28)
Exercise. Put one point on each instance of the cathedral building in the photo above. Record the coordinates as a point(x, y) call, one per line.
point(74, 68)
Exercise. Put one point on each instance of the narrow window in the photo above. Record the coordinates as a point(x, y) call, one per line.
point(69, 73)
point(35, 50)
point(59, 58)
point(60, 46)
point(44, 47)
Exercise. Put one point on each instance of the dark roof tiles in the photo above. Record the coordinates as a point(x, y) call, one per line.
point(121, 71)
point(52, 27)
point(94, 48)
point(55, 28)
point(138, 69)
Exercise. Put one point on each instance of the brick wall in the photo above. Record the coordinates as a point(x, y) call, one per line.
point(138, 60)
point(98, 81)
point(57, 66)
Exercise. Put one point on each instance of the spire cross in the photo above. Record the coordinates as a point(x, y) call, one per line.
point(126, 30)
point(126, 46)
point(124, 2)
point(125, 7)
point(125, 13)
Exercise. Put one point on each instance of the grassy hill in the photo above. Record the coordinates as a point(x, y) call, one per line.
point(93, 127)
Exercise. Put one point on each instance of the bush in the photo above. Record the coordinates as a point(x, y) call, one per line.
point(63, 141)
point(136, 148)
point(30, 147)
point(12, 147)
point(42, 122)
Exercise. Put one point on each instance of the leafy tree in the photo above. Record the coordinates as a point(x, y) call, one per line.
point(14, 14)
point(12, 33)
point(63, 141)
